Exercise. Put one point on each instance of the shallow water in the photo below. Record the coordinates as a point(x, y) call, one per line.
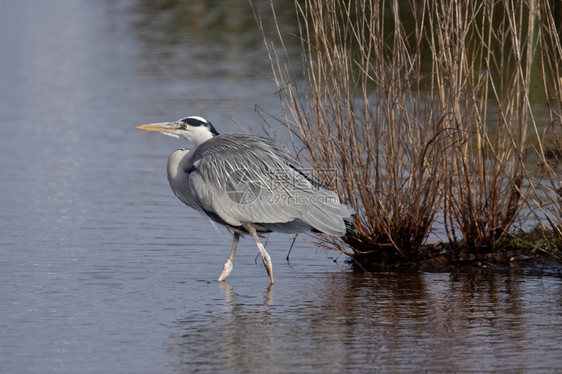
point(104, 270)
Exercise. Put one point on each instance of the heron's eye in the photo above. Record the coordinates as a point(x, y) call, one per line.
point(195, 121)
point(183, 125)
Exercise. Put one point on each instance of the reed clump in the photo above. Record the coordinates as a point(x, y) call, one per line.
point(421, 111)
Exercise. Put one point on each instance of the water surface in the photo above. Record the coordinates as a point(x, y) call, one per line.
point(104, 270)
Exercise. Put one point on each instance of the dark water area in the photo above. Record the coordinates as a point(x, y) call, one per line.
point(104, 270)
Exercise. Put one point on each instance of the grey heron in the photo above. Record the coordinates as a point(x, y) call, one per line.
point(249, 185)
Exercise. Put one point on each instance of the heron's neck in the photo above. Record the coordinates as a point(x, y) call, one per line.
point(177, 163)
point(199, 136)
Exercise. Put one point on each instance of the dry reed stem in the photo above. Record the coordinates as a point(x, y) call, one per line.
point(545, 199)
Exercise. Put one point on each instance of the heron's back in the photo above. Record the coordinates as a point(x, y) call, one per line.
point(238, 179)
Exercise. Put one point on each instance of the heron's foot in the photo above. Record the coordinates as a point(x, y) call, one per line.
point(269, 267)
point(226, 269)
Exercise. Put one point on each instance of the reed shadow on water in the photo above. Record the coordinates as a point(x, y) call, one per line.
point(436, 321)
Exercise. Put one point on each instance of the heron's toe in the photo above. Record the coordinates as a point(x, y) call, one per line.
point(226, 269)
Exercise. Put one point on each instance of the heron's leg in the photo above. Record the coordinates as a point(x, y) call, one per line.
point(264, 255)
point(227, 268)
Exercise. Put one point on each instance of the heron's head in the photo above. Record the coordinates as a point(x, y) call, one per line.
point(193, 129)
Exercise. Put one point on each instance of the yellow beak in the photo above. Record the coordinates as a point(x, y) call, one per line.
point(163, 127)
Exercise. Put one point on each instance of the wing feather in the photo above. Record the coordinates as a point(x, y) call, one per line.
point(245, 179)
